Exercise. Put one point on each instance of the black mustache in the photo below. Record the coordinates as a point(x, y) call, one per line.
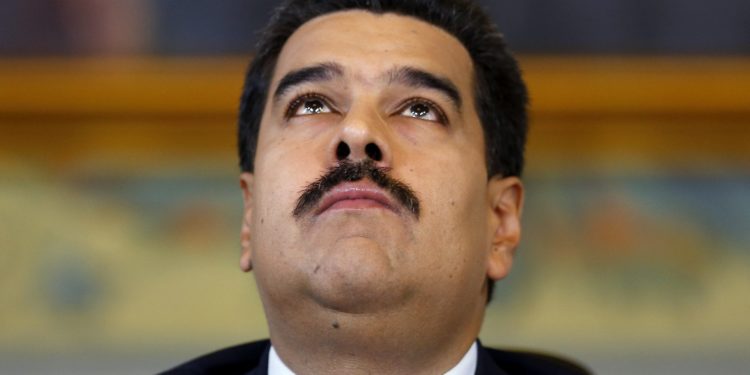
point(348, 171)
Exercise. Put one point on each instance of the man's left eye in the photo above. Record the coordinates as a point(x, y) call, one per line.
point(423, 111)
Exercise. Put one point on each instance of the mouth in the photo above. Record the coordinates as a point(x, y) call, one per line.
point(360, 195)
point(356, 186)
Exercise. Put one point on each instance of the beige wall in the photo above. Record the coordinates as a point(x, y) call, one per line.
point(119, 208)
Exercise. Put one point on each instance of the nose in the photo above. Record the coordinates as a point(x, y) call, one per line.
point(362, 137)
point(372, 151)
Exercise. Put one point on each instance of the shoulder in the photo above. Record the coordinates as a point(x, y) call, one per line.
point(239, 359)
point(530, 363)
point(242, 359)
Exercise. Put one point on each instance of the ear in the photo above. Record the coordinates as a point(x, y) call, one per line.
point(505, 197)
point(246, 258)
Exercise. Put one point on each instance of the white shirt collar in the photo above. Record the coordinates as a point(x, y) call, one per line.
point(276, 366)
point(466, 366)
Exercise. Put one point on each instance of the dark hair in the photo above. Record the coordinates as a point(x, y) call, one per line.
point(500, 92)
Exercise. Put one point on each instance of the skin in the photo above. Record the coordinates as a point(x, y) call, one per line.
point(367, 289)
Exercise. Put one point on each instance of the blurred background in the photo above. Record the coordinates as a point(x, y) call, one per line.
point(120, 203)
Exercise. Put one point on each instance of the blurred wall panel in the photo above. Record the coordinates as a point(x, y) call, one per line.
point(201, 27)
point(120, 207)
point(120, 210)
point(43, 27)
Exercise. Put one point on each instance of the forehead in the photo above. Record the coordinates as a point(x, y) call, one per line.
point(367, 44)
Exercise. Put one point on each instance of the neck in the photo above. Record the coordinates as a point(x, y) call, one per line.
point(322, 341)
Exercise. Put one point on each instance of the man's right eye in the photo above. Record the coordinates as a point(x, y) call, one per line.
point(308, 105)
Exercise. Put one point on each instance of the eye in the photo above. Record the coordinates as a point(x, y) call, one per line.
point(309, 104)
point(424, 110)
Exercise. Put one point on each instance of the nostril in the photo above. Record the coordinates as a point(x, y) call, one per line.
point(342, 151)
point(373, 151)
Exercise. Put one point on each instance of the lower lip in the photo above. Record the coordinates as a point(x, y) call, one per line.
point(356, 204)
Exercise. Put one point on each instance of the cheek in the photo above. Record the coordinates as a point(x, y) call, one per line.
point(284, 166)
point(280, 176)
point(450, 175)
point(453, 196)
point(275, 186)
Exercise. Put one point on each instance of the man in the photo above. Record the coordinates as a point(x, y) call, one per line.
point(381, 144)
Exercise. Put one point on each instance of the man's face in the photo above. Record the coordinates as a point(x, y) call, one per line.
point(355, 86)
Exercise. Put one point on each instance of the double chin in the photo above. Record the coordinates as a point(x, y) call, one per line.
point(357, 275)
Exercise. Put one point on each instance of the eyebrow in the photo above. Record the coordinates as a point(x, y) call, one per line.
point(316, 73)
point(406, 75)
point(418, 78)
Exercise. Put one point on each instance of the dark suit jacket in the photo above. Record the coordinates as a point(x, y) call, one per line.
point(252, 359)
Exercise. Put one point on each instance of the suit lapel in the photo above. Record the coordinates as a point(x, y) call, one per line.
point(485, 364)
point(262, 368)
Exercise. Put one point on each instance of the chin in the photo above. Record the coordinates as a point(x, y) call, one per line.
point(357, 276)
point(359, 299)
